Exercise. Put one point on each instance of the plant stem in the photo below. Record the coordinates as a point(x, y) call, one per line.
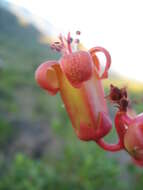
point(109, 147)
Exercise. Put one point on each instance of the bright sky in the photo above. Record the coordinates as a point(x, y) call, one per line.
point(116, 25)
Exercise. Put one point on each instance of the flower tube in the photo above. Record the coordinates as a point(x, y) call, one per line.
point(77, 77)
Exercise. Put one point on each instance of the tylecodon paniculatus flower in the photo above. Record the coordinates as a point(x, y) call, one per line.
point(77, 76)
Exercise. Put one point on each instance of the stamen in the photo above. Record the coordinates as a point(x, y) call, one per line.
point(57, 42)
point(76, 41)
point(52, 46)
point(69, 43)
point(56, 47)
point(64, 45)
point(61, 39)
point(78, 32)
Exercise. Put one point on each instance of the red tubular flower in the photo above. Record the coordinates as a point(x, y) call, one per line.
point(133, 139)
point(77, 77)
point(129, 129)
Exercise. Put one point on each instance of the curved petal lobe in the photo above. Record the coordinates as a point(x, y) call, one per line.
point(46, 77)
point(108, 60)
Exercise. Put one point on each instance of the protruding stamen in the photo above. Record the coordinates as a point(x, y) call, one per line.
point(52, 46)
point(61, 39)
point(64, 44)
point(69, 42)
point(57, 42)
point(56, 46)
point(78, 32)
point(77, 41)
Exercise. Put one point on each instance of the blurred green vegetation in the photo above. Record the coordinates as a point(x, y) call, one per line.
point(53, 157)
point(5, 132)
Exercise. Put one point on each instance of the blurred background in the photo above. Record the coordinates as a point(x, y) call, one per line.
point(38, 148)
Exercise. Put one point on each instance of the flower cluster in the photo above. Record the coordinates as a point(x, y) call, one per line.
point(77, 76)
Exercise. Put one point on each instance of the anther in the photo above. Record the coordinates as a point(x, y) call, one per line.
point(70, 40)
point(52, 46)
point(77, 41)
point(78, 32)
point(56, 42)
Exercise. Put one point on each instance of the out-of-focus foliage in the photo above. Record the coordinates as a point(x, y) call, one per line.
point(73, 169)
point(38, 148)
point(5, 132)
